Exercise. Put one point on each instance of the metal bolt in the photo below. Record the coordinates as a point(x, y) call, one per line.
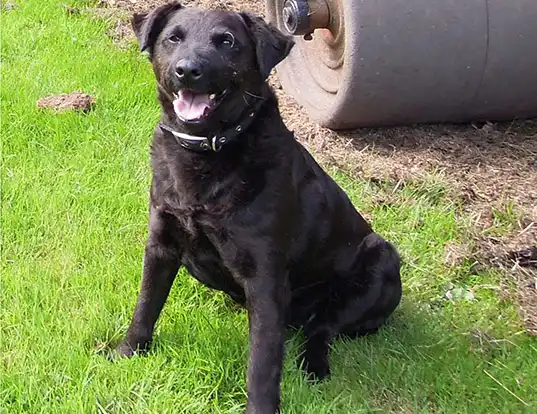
point(301, 17)
point(287, 16)
point(291, 15)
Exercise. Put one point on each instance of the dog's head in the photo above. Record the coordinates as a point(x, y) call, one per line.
point(210, 64)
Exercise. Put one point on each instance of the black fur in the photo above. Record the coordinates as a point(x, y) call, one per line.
point(259, 220)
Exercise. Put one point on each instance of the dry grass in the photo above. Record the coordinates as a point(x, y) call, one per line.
point(489, 169)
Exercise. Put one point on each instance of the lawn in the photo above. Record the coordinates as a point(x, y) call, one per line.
point(74, 211)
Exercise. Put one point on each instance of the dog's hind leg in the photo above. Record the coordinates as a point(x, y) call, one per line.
point(360, 303)
point(379, 270)
point(374, 290)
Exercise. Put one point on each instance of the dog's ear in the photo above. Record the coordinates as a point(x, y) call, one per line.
point(147, 26)
point(271, 45)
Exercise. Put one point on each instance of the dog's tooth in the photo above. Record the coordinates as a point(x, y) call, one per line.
point(212, 96)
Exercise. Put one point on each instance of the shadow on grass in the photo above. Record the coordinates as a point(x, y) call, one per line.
point(423, 362)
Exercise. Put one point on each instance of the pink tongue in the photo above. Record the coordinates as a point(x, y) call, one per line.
point(190, 105)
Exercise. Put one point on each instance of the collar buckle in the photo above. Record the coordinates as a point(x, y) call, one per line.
point(213, 144)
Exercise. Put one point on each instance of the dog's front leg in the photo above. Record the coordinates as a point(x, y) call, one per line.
point(161, 263)
point(267, 296)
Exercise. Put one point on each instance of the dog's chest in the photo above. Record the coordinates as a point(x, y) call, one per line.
point(201, 254)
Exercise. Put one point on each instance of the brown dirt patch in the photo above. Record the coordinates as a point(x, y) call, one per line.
point(489, 169)
point(76, 101)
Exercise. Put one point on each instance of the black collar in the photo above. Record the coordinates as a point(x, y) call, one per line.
point(216, 142)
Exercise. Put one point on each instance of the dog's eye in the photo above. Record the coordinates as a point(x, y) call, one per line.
point(174, 38)
point(227, 39)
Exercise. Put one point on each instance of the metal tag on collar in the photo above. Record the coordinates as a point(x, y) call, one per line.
point(217, 141)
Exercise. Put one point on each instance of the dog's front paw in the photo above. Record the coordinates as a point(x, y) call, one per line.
point(126, 350)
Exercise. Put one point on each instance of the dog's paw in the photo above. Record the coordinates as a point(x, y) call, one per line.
point(124, 350)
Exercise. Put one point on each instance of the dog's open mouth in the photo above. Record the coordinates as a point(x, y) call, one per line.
point(192, 106)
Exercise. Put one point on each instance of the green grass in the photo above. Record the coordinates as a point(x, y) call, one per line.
point(74, 211)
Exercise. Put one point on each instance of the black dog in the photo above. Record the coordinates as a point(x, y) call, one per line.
point(238, 201)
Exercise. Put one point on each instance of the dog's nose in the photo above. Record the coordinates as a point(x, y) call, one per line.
point(188, 70)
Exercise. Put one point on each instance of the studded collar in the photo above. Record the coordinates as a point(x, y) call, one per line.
point(216, 142)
